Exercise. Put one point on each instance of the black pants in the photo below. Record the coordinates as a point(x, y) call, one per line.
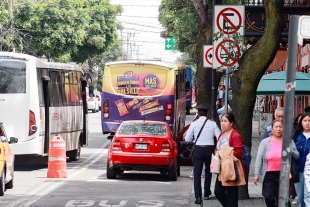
point(226, 195)
point(271, 188)
point(201, 156)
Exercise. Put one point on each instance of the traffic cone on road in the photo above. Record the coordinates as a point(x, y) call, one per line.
point(57, 159)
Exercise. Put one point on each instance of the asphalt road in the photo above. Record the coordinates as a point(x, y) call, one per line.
point(87, 184)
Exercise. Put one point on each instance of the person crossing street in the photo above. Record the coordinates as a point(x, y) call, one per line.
point(204, 131)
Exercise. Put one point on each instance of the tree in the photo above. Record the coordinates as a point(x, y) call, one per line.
point(80, 28)
point(115, 53)
point(252, 65)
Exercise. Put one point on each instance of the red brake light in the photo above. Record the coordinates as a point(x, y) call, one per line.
point(32, 123)
point(106, 111)
point(165, 147)
point(116, 145)
point(168, 112)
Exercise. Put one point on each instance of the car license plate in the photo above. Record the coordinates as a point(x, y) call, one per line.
point(141, 146)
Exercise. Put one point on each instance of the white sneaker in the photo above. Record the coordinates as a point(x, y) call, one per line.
point(295, 201)
point(191, 176)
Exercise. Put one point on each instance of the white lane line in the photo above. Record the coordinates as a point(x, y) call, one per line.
point(50, 186)
point(107, 181)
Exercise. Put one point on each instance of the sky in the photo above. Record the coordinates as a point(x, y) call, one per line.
point(141, 33)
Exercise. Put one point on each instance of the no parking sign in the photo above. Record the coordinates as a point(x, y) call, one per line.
point(228, 20)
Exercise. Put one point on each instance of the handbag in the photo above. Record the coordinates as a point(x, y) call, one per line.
point(236, 171)
point(215, 166)
point(294, 171)
point(192, 150)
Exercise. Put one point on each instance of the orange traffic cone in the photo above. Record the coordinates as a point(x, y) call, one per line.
point(57, 159)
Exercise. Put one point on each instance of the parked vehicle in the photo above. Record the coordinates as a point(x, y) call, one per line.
point(39, 100)
point(98, 96)
point(143, 90)
point(189, 89)
point(92, 101)
point(144, 146)
point(6, 161)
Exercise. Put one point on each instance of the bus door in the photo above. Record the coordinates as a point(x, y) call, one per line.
point(85, 112)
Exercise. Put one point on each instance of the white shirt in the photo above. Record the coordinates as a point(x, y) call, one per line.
point(206, 136)
point(221, 111)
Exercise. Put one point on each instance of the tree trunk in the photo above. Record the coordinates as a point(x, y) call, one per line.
point(253, 65)
point(203, 88)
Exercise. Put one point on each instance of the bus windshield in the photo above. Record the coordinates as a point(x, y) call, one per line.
point(12, 77)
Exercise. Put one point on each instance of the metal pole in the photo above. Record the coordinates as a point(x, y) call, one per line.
point(226, 90)
point(288, 111)
point(214, 88)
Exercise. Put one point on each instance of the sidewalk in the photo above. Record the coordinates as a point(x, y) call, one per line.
point(255, 191)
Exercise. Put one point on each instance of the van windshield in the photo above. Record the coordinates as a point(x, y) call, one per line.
point(12, 77)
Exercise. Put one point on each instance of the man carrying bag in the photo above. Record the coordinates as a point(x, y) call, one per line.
point(203, 130)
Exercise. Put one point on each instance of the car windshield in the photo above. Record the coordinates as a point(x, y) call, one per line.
point(143, 128)
point(12, 77)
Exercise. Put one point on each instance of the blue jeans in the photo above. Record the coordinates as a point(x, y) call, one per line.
point(300, 190)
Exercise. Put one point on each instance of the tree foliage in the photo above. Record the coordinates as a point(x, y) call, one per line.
point(180, 18)
point(80, 29)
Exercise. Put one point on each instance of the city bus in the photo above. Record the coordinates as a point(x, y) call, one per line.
point(189, 89)
point(143, 90)
point(39, 100)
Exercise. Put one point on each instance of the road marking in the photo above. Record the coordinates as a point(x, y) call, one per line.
point(108, 181)
point(47, 187)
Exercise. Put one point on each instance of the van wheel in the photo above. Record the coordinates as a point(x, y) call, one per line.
point(111, 173)
point(75, 154)
point(2, 183)
point(9, 185)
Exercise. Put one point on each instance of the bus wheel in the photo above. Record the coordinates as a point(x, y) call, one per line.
point(188, 108)
point(2, 183)
point(75, 154)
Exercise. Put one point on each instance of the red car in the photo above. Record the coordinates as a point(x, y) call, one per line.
point(144, 146)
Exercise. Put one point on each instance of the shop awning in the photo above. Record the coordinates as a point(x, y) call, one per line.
point(274, 84)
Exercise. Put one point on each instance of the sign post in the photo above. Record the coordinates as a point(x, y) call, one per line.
point(294, 29)
point(207, 57)
point(228, 20)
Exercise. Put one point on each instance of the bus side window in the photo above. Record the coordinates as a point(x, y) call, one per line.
point(56, 88)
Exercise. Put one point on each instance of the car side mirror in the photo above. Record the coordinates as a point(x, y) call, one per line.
point(13, 140)
point(110, 137)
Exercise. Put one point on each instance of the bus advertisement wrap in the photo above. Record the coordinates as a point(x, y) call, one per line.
point(133, 92)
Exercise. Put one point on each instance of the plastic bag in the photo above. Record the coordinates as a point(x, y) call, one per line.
point(215, 166)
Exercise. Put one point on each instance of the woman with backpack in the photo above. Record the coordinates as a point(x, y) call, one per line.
point(268, 163)
point(227, 194)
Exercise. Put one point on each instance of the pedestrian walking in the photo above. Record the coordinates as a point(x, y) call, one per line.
point(230, 136)
point(307, 180)
point(302, 140)
point(278, 115)
point(268, 163)
point(203, 131)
